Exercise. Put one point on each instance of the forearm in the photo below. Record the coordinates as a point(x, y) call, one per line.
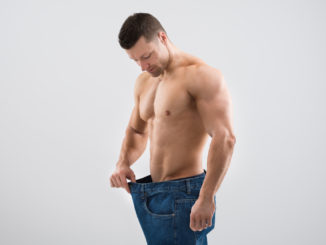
point(218, 161)
point(133, 146)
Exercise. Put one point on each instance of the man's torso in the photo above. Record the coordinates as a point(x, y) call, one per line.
point(176, 133)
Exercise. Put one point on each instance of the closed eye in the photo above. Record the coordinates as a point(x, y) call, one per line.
point(148, 56)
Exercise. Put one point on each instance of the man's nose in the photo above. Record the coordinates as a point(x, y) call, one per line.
point(143, 66)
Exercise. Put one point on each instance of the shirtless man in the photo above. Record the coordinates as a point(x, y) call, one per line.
point(179, 102)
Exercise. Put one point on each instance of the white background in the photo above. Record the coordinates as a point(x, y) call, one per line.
point(66, 92)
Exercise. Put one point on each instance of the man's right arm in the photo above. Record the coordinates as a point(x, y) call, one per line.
point(133, 144)
point(136, 134)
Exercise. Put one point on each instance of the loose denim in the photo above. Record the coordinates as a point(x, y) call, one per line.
point(163, 210)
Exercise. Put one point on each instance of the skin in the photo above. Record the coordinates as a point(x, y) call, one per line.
point(178, 106)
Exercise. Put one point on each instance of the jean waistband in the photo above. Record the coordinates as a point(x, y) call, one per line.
point(146, 184)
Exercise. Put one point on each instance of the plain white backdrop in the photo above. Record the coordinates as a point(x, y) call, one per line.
point(66, 92)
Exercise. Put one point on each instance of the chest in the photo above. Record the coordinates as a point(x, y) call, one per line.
point(164, 99)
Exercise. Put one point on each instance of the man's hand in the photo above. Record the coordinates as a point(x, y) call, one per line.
point(120, 175)
point(202, 214)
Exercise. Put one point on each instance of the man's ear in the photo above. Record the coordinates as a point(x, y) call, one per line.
point(162, 37)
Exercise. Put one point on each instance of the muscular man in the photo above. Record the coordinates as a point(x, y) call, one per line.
point(179, 102)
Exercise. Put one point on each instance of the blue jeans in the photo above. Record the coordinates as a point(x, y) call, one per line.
point(163, 210)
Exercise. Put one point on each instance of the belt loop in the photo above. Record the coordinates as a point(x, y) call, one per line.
point(188, 186)
point(142, 190)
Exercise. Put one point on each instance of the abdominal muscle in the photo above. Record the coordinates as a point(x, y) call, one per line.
point(176, 148)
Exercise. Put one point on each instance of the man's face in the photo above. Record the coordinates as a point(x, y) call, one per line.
point(150, 56)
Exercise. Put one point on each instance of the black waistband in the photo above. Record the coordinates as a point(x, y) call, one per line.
point(148, 178)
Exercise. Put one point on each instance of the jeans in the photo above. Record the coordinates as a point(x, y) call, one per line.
point(163, 210)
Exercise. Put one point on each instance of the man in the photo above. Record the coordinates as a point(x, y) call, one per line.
point(179, 102)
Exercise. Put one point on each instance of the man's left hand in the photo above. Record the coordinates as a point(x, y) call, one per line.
point(201, 214)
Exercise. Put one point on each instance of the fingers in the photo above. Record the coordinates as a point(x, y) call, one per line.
point(119, 179)
point(209, 222)
point(199, 224)
point(125, 185)
point(113, 182)
point(133, 178)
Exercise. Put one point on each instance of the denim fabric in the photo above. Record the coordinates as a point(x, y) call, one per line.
point(163, 210)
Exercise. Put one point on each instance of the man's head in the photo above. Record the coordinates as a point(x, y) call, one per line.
point(146, 42)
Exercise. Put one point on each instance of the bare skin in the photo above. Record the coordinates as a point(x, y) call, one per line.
point(179, 102)
point(175, 130)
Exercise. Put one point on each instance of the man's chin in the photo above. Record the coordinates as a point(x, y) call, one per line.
point(155, 74)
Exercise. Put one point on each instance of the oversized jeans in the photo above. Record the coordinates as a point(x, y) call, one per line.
point(163, 210)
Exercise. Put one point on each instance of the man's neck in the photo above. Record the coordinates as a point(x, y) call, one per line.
point(176, 60)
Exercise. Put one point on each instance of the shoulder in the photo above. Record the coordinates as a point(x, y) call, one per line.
point(204, 80)
point(140, 82)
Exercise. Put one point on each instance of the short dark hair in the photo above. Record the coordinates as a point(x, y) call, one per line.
point(137, 25)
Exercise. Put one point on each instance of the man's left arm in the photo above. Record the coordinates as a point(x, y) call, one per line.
point(214, 106)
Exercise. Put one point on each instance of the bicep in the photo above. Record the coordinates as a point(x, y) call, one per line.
point(136, 123)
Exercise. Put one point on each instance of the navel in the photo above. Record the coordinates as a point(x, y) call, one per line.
point(167, 112)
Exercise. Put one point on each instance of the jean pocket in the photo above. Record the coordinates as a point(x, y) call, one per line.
point(159, 204)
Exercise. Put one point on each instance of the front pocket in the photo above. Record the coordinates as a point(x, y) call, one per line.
point(159, 204)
